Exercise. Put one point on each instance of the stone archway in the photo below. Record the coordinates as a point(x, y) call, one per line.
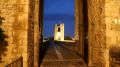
point(94, 11)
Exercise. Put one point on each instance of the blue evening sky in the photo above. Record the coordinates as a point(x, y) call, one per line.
point(58, 11)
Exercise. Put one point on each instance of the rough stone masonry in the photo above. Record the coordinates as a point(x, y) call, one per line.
point(23, 26)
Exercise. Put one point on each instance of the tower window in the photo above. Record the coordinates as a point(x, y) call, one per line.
point(58, 29)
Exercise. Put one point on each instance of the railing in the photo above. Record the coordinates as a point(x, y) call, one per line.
point(17, 63)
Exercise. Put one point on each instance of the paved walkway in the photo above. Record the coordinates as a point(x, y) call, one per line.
point(57, 56)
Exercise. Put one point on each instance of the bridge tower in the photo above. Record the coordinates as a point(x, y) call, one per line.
point(59, 32)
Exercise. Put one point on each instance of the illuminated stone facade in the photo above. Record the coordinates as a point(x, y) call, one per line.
point(112, 17)
point(19, 26)
point(15, 25)
point(59, 32)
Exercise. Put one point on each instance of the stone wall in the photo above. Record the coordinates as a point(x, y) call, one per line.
point(22, 27)
point(15, 25)
point(112, 17)
point(97, 33)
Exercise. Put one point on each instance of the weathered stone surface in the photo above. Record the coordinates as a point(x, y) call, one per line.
point(77, 19)
point(15, 13)
point(97, 33)
point(36, 34)
point(112, 15)
point(79, 25)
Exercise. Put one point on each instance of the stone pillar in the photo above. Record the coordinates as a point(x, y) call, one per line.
point(97, 33)
point(79, 25)
point(36, 34)
point(77, 19)
point(31, 27)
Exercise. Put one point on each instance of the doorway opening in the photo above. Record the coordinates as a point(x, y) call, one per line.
point(62, 12)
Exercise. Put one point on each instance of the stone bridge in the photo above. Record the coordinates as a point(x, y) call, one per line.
point(98, 20)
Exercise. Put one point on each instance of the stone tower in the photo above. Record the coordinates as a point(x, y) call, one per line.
point(59, 32)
